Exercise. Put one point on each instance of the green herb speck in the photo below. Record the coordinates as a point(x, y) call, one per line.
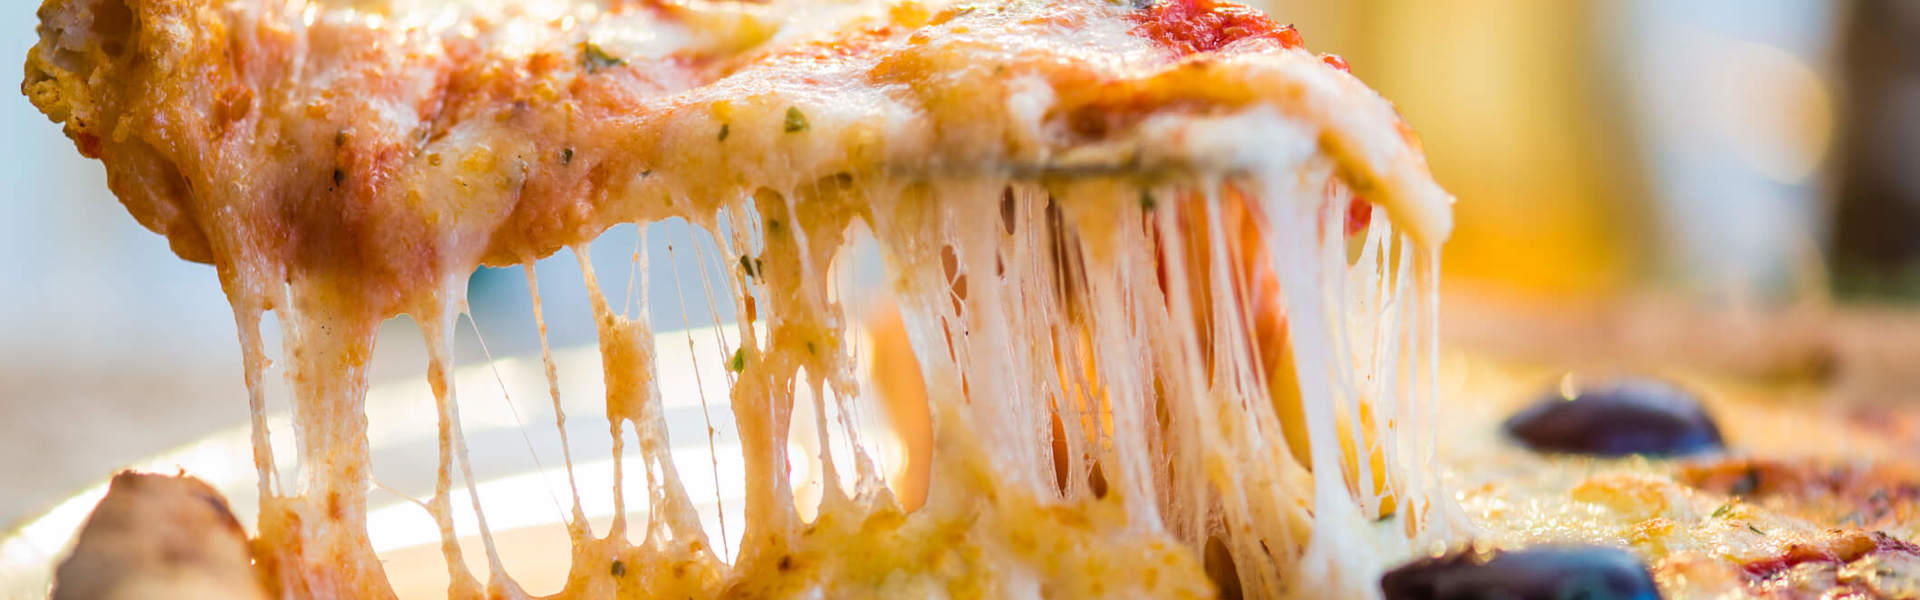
point(746, 266)
point(593, 58)
point(1757, 530)
point(1146, 200)
point(739, 361)
point(724, 130)
point(566, 156)
point(796, 120)
point(618, 569)
point(1722, 511)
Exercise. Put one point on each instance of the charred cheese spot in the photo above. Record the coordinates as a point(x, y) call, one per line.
point(1871, 494)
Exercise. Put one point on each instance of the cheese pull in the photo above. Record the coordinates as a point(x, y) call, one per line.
point(1129, 219)
point(903, 392)
point(1242, 224)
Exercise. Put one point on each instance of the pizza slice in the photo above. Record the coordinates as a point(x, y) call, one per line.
point(1206, 254)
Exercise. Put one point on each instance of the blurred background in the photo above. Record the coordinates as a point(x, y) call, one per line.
point(1721, 184)
point(1603, 146)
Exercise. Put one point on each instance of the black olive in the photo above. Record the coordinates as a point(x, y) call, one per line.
point(1618, 418)
point(1544, 573)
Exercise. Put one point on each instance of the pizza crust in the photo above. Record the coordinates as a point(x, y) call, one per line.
point(159, 537)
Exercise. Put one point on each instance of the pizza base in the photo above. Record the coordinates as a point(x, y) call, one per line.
point(1789, 511)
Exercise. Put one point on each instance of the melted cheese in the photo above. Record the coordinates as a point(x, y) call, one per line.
point(1127, 220)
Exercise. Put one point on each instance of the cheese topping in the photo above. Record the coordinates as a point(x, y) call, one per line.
point(1130, 221)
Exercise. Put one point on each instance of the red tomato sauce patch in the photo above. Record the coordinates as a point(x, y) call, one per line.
point(1194, 26)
